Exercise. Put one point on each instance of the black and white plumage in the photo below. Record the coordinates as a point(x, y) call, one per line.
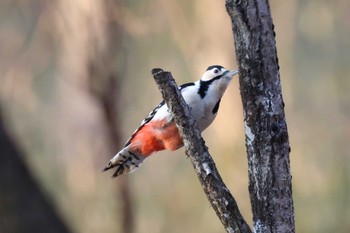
point(158, 130)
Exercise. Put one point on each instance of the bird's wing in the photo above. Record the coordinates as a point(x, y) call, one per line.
point(145, 121)
point(153, 113)
point(183, 86)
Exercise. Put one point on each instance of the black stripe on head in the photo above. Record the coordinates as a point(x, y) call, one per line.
point(216, 107)
point(204, 86)
point(214, 66)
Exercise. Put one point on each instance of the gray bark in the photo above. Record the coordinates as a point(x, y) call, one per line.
point(216, 191)
point(266, 132)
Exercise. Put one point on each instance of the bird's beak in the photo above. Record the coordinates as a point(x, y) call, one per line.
point(231, 73)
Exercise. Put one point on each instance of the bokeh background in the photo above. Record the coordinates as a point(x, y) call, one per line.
point(65, 64)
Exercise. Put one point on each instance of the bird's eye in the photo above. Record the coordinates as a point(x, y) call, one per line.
point(216, 71)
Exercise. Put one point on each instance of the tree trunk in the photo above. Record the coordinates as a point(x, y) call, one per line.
point(24, 207)
point(266, 132)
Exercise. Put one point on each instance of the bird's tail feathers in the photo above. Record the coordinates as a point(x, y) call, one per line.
point(125, 161)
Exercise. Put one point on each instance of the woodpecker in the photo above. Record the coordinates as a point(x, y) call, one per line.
point(158, 130)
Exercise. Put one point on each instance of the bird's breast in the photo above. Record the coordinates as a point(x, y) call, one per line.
point(203, 114)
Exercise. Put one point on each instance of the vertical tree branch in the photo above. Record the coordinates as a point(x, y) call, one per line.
point(216, 191)
point(108, 96)
point(104, 85)
point(266, 132)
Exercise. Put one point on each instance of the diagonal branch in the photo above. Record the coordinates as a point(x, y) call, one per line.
point(216, 191)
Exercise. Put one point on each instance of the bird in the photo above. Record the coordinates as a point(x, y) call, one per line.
point(158, 130)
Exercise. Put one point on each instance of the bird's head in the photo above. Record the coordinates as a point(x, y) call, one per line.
point(217, 78)
point(217, 72)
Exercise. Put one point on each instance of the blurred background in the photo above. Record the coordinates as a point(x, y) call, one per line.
point(75, 83)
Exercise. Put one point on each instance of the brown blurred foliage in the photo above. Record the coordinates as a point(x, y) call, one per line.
point(56, 57)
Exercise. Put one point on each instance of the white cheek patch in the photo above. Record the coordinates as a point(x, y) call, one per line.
point(207, 76)
point(210, 74)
